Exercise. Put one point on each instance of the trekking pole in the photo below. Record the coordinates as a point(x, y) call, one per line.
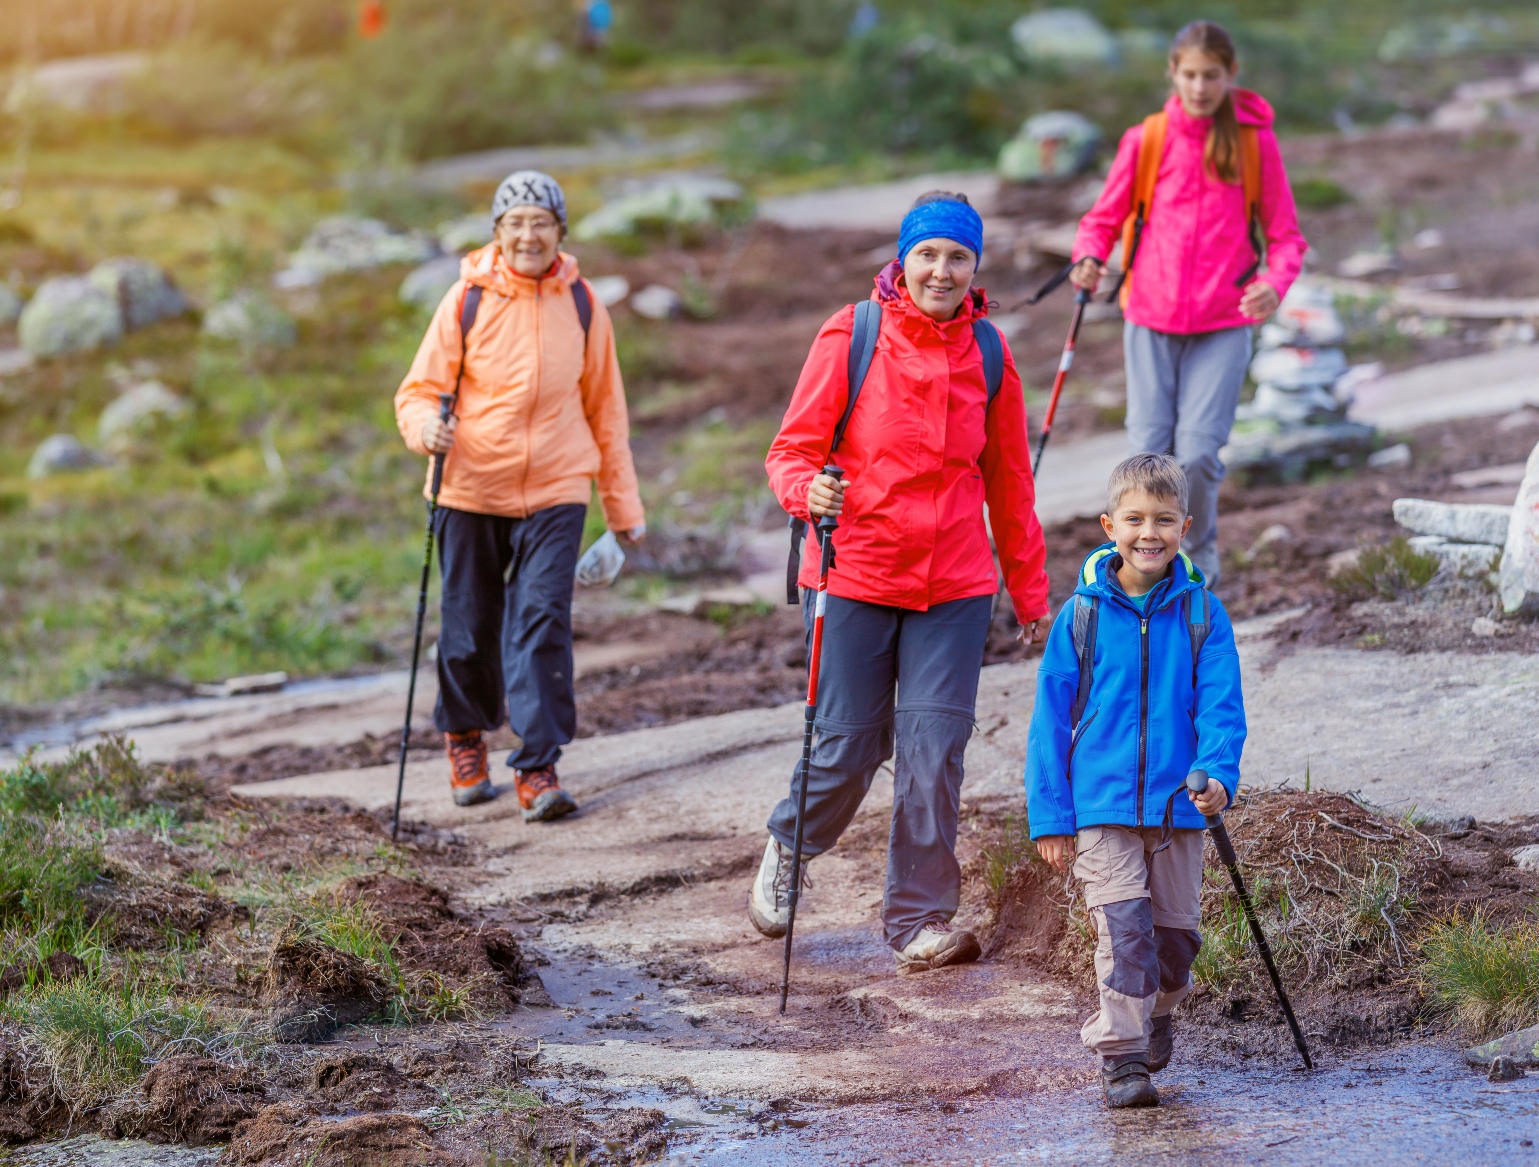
point(826, 526)
point(445, 410)
point(1065, 363)
point(1197, 782)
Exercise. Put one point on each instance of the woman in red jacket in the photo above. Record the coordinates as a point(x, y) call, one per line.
point(912, 590)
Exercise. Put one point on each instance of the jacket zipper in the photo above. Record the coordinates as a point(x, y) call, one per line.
point(1079, 733)
point(534, 401)
point(1143, 711)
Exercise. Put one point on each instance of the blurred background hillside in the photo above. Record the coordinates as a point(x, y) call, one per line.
point(257, 510)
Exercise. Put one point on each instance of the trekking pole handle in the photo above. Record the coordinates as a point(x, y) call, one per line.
point(445, 412)
point(827, 523)
point(1197, 782)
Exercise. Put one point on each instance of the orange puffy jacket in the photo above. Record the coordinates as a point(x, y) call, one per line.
point(922, 460)
point(541, 416)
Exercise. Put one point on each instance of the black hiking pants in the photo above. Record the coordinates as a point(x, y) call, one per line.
point(932, 660)
point(506, 644)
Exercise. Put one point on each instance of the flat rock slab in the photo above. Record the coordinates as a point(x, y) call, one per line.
point(1462, 522)
point(1520, 559)
point(94, 1151)
point(1477, 386)
point(1522, 1047)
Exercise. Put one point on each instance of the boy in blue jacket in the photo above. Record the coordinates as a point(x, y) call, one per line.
point(1139, 686)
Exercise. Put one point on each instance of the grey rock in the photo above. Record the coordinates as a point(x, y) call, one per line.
point(1485, 626)
point(1527, 858)
point(1460, 522)
point(1067, 37)
point(427, 284)
point(1298, 367)
point(250, 320)
point(344, 243)
point(144, 293)
point(1519, 580)
point(1463, 558)
point(1308, 405)
point(62, 454)
point(655, 302)
point(1307, 316)
point(465, 233)
point(1288, 453)
point(1521, 1046)
point(1056, 144)
point(1390, 457)
point(1368, 263)
point(10, 306)
point(134, 412)
point(69, 314)
point(1504, 1069)
point(610, 290)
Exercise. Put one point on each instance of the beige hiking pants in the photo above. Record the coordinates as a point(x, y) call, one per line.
point(1147, 908)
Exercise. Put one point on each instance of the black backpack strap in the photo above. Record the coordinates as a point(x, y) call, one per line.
point(1087, 614)
point(863, 333)
point(583, 296)
point(992, 350)
point(469, 306)
point(1197, 629)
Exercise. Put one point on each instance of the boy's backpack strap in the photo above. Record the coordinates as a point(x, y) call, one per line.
point(863, 333)
point(992, 350)
point(1087, 615)
point(582, 296)
point(1250, 183)
point(1151, 152)
point(1198, 624)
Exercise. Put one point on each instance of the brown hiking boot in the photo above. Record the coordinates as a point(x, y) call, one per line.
point(468, 780)
point(541, 796)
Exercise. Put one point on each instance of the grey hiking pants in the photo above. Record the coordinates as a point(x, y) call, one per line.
point(932, 658)
point(1182, 394)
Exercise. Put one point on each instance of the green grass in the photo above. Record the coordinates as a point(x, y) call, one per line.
point(1386, 570)
point(1006, 854)
point(1485, 975)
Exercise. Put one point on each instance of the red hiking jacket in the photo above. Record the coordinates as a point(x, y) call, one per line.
point(920, 463)
point(1197, 242)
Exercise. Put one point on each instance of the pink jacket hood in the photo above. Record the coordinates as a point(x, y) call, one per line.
point(1196, 245)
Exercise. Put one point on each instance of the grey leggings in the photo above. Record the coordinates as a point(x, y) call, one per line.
point(1182, 394)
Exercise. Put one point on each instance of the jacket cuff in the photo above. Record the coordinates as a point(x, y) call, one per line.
point(1053, 827)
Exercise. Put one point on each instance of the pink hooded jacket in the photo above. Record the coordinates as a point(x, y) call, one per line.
point(1196, 243)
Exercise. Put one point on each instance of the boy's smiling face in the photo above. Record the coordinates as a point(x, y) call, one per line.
point(1147, 530)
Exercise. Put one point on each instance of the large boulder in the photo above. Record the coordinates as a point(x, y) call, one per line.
point(250, 320)
point(344, 243)
point(10, 306)
point(1056, 144)
point(62, 454)
point(428, 283)
point(135, 414)
point(1265, 449)
point(684, 202)
point(1519, 578)
point(1462, 522)
point(1069, 38)
point(144, 293)
point(69, 314)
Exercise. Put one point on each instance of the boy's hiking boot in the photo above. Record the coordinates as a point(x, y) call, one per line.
point(541, 796)
point(1159, 1044)
point(769, 905)
point(1126, 1081)
point(468, 780)
point(937, 945)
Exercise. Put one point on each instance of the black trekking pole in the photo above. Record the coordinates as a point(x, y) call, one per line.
point(1065, 363)
point(1197, 782)
point(826, 526)
point(445, 410)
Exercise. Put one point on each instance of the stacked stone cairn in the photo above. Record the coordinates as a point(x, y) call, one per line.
point(1297, 421)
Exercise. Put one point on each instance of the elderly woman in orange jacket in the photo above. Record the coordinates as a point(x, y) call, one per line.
point(539, 418)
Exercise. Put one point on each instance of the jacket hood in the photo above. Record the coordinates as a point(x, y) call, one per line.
point(1095, 576)
point(889, 289)
point(486, 268)
point(1250, 109)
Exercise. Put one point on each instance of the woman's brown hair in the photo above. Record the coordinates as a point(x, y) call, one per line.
point(1222, 151)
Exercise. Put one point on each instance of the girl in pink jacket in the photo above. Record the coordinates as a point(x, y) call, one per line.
point(1197, 285)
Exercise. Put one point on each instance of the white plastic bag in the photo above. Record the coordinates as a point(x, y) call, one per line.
point(601, 562)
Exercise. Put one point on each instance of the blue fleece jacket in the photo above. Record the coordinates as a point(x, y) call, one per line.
point(1145, 727)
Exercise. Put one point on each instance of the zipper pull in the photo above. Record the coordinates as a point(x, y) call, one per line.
point(1144, 630)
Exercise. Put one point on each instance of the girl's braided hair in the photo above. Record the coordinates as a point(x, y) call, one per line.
point(1222, 151)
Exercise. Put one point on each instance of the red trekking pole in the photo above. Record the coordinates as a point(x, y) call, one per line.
point(1065, 363)
point(826, 526)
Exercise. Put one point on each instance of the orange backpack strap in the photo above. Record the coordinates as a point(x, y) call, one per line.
point(1250, 182)
point(1151, 151)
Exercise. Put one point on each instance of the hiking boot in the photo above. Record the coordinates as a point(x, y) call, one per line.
point(1159, 1044)
point(769, 904)
point(541, 795)
point(1126, 1082)
point(937, 945)
point(468, 780)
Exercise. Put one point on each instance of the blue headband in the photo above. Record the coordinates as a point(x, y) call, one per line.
point(941, 220)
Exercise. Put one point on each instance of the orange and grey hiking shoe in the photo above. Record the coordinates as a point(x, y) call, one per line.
point(468, 779)
point(540, 794)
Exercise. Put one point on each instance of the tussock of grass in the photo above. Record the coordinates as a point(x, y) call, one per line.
point(1485, 975)
point(1001, 858)
point(1386, 570)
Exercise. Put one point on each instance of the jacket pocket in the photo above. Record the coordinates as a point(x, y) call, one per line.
point(1079, 733)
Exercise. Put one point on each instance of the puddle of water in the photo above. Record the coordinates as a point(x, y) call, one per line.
point(860, 949)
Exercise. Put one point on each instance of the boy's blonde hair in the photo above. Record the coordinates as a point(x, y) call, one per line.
point(1156, 474)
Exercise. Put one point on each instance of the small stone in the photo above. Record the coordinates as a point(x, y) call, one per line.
point(1427, 240)
point(1341, 561)
point(610, 290)
point(655, 302)
point(246, 318)
point(1394, 457)
point(1504, 1069)
point(1368, 263)
point(135, 411)
point(142, 290)
point(1461, 522)
point(69, 314)
point(1527, 858)
point(1485, 626)
point(1521, 1046)
point(1276, 534)
point(62, 454)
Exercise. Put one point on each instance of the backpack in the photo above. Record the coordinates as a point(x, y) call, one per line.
point(1151, 151)
point(868, 325)
point(1087, 615)
point(471, 305)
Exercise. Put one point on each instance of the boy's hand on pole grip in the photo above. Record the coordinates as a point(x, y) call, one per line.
point(1213, 800)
